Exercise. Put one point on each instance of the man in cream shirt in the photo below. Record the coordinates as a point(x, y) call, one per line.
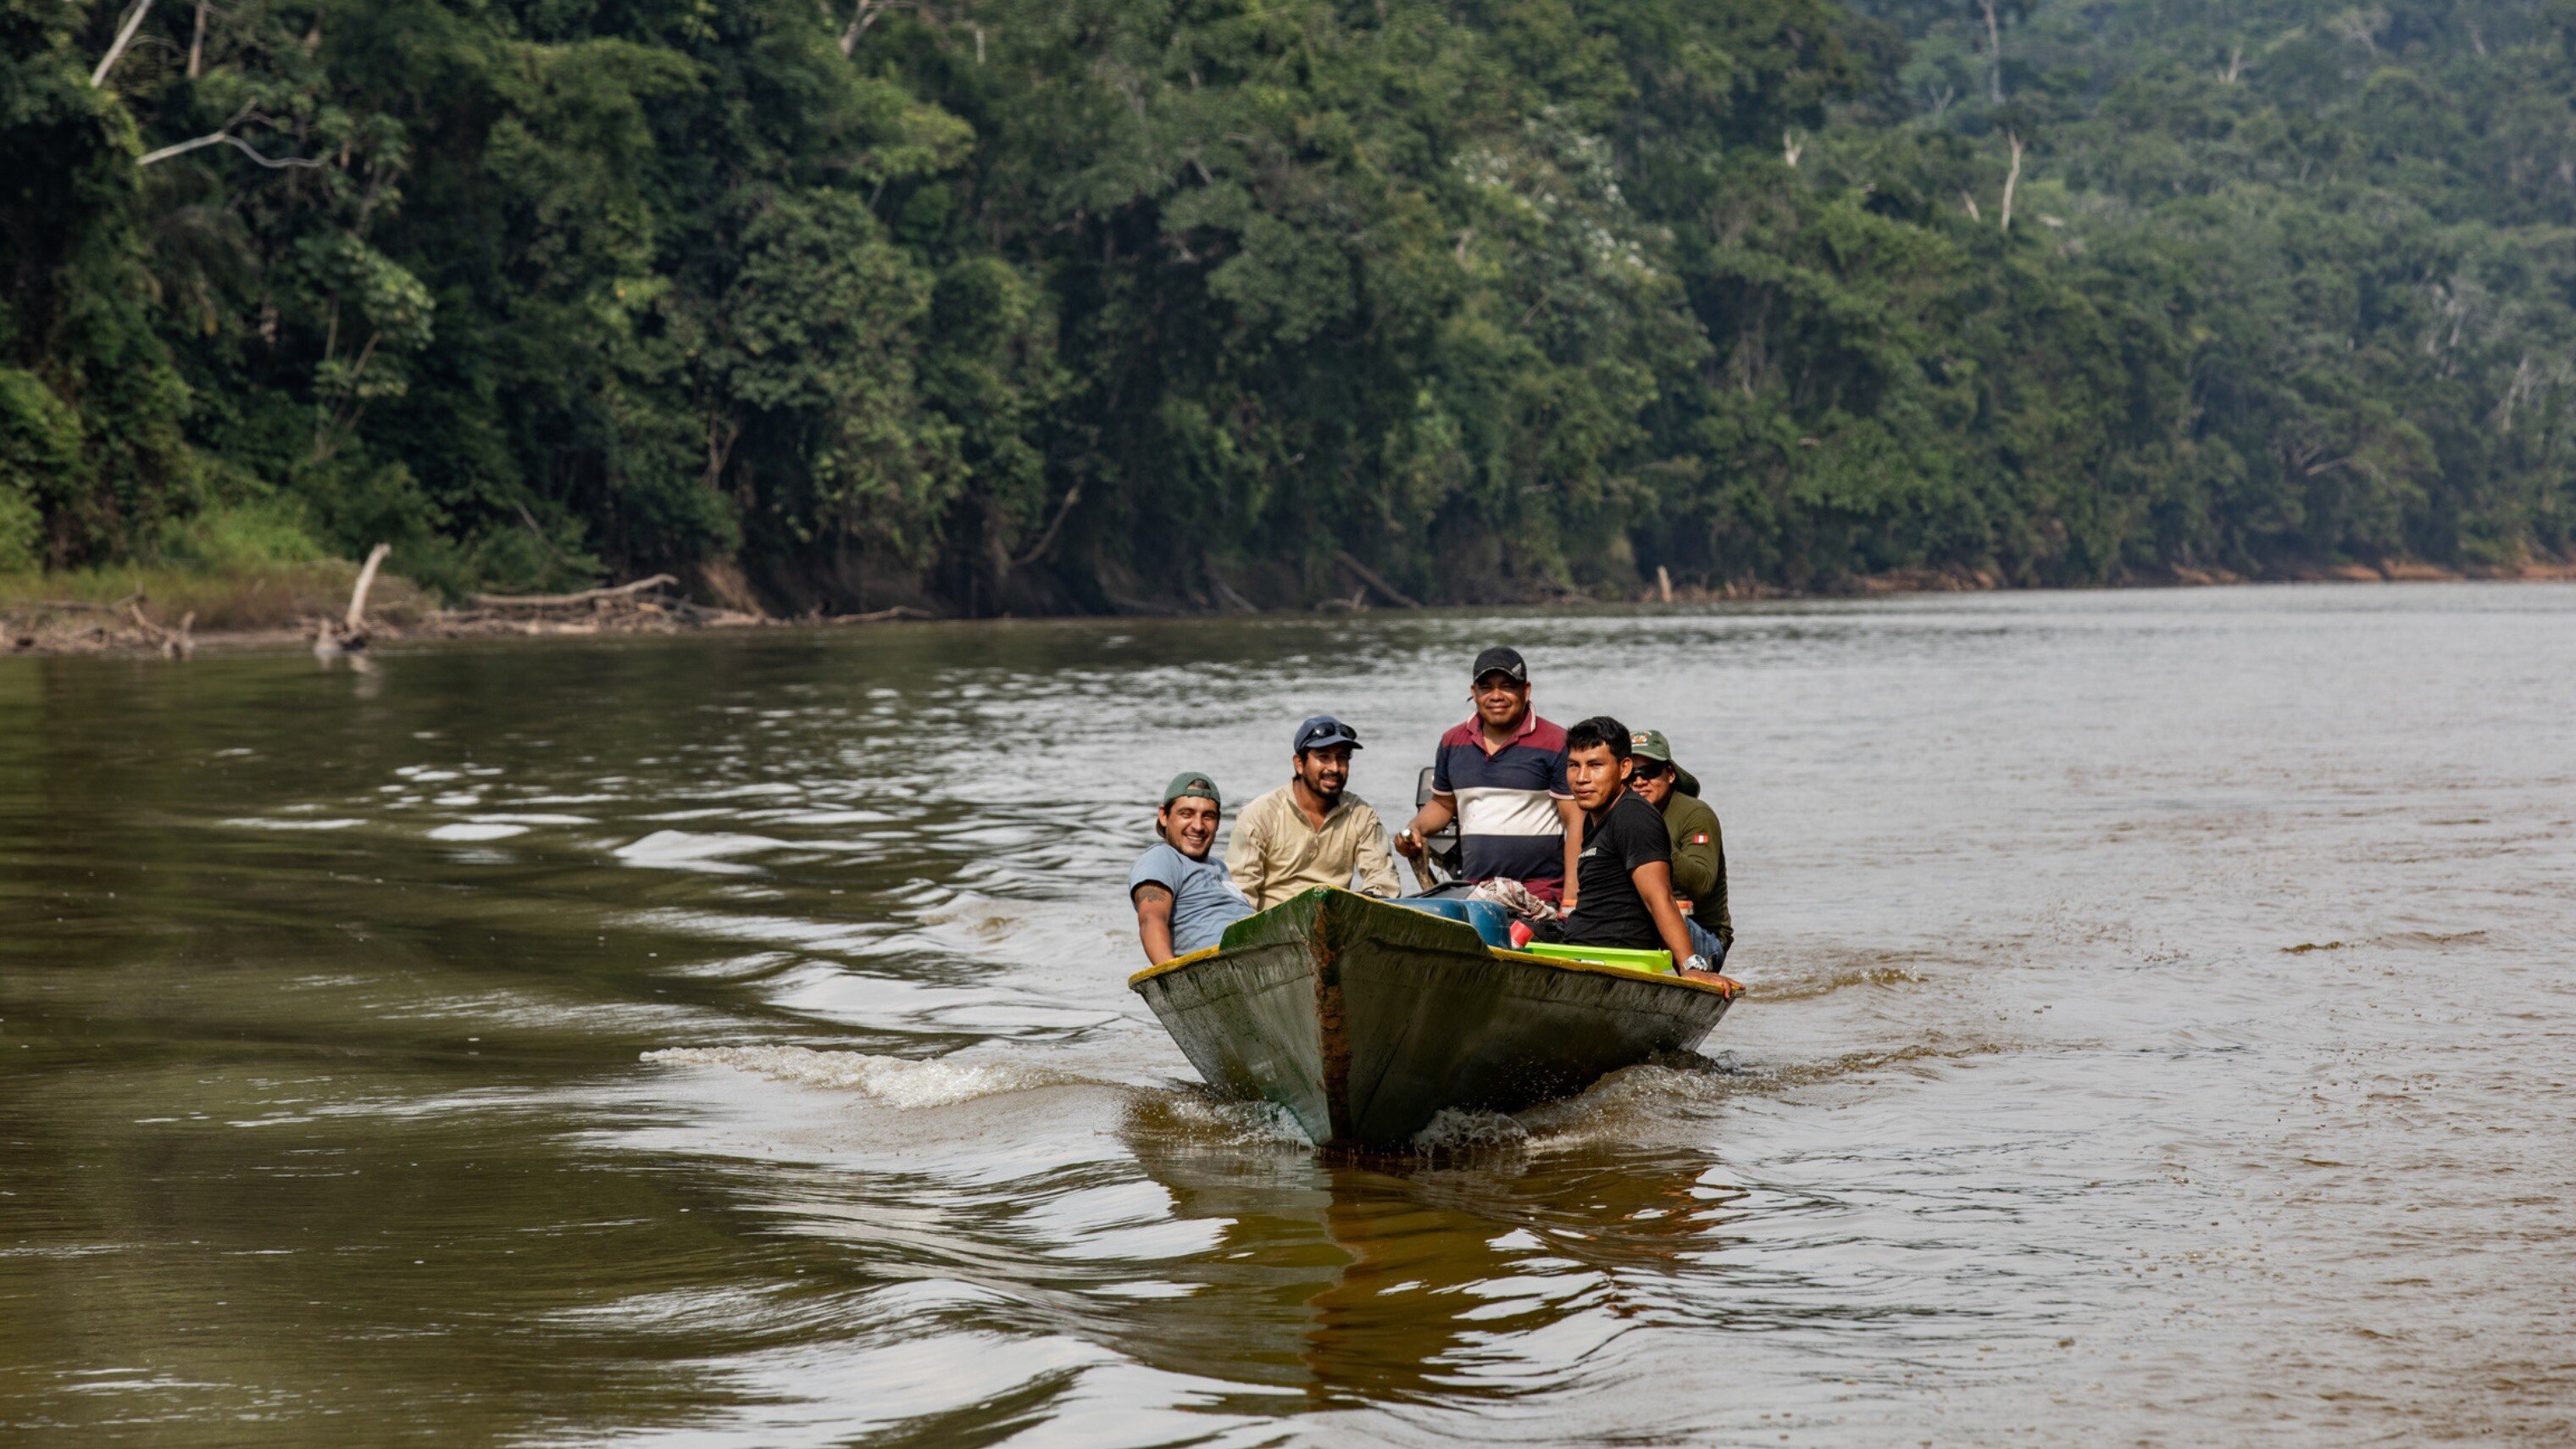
point(1311, 831)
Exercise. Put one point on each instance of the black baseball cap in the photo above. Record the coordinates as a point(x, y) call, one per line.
point(1323, 732)
point(1503, 661)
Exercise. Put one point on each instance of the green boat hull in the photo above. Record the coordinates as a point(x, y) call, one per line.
point(1366, 1020)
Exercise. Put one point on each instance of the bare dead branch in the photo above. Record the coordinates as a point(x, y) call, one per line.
point(1046, 540)
point(1230, 596)
point(227, 138)
point(357, 617)
point(1369, 576)
point(124, 38)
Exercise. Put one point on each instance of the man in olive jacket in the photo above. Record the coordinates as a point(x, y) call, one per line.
point(1699, 849)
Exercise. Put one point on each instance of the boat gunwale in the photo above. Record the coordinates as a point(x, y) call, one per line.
point(1137, 981)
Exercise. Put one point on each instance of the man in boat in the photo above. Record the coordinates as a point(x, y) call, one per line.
point(1699, 847)
point(1501, 776)
point(1183, 900)
point(1311, 831)
point(1624, 863)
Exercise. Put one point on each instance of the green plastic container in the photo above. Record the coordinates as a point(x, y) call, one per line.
point(1606, 956)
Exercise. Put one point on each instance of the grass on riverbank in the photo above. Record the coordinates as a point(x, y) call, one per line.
point(239, 598)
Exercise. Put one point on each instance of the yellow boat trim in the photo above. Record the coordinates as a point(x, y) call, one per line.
point(1175, 964)
point(1520, 958)
point(1601, 968)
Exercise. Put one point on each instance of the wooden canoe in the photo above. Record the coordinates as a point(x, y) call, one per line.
point(1365, 1020)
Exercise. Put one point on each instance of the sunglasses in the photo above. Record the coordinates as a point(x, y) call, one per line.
point(1650, 770)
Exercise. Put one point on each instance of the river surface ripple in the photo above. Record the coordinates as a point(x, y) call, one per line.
point(2160, 1034)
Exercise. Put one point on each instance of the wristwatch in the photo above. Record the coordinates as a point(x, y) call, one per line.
point(1697, 963)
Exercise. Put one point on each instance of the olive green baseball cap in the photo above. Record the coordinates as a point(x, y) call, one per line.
point(1192, 784)
point(1651, 745)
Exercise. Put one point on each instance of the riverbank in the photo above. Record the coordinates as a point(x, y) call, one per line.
point(175, 613)
point(333, 607)
point(1975, 581)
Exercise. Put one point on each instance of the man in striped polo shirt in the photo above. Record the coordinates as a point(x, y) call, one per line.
point(1501, 776)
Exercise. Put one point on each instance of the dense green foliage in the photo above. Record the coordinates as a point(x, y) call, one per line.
point(1118, 303)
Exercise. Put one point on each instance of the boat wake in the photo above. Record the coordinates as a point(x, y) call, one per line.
point(1794, 985)
point(1180, 1109)
point(895, 1081)
point(1635, 1106)
point(1654, 1101)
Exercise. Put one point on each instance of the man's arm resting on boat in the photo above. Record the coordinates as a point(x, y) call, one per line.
point(1654, 882)
point(1430, 820)
point(1570, 815)
point(1154, 921)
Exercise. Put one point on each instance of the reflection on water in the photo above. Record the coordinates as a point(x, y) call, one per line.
point(1388, 1283)
point(2158, 1035)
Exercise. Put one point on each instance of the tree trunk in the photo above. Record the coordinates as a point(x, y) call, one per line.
point(197, 44)
point(2012, 178)
point(862, 15)
point(1994, 54)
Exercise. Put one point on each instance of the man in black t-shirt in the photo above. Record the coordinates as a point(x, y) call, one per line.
point(1624, 875)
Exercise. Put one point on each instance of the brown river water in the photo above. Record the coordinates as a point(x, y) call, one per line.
point(2160, 1033)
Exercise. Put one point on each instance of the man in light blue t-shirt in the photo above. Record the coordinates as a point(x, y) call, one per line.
point(1184, 901)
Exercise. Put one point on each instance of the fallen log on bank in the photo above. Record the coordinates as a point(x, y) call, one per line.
point(173, 643)
point(645, 606)
point(572, 601)
point(878, 616)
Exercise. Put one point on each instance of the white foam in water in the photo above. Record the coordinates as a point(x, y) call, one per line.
point(896, 1081)
point(1611, 1109)
point(1457, 1131)
point(477, 830)
point(685, 850)
point(1198, 1120)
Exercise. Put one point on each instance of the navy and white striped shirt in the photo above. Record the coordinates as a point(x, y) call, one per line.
point(1507, 821)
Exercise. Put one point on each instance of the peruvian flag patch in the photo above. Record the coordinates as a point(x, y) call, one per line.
point(1700, 839)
